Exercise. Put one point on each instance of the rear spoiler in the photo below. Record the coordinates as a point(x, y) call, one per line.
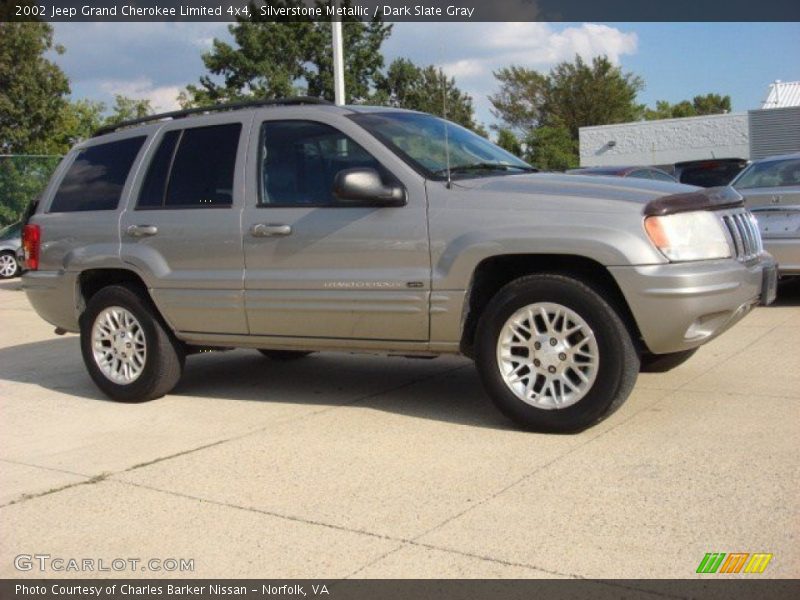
point(704, 199)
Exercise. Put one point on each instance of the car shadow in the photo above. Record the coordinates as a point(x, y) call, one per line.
point(445, 389)
point(788, 293)
point(11, 285)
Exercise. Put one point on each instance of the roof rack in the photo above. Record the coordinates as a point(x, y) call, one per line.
point(179, 114)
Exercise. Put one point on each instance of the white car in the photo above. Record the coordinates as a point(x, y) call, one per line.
point(10, 244)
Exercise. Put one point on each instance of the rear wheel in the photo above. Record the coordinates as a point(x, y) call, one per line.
point(128, 350)
point(9, 267)
point(284, 355)
point(553, 354)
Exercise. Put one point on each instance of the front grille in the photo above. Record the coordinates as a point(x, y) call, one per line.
point(743, 230)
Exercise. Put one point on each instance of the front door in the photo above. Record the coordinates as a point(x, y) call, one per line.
point(317, 268)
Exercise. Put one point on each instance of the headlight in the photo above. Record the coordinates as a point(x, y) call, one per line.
point(697, 235)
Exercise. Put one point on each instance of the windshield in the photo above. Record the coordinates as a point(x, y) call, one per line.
point(419, 139)
point(774, 173)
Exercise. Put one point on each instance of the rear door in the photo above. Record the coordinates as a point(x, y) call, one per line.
point(319, 269)
point(182, 231)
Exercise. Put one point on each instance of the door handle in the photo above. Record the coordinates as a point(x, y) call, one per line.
point(141, 230)
point(270, 230)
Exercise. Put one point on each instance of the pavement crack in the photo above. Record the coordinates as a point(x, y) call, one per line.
point(176, 455)
point(402, 542)
point(375, 561)
point(26, 497)
point(253, 509)
point(527, 476)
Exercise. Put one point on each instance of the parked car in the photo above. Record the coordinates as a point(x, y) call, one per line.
point(640, 172)
point(709, 172)
point(10, 243)
point(771, 189)
point(296, 226)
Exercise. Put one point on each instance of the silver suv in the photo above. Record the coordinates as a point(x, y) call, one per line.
point(296, 226)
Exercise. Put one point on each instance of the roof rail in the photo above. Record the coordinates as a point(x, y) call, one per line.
point(179, 114)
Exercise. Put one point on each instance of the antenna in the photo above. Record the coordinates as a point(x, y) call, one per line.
point(446, 138)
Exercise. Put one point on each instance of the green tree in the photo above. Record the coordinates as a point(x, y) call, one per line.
point(580, 94)
point(363, 60)
point(22, 178)
point(33, 89)
point(427, 89)
point(79, 120)
point(708, 104)
point(520, 100)
point(278, 59)
point(711, 104)
point(547, 111)
point(125, 109)
point(508, 141)
point(552, 148)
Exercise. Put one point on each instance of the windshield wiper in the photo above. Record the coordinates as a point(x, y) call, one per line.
point(485, 166)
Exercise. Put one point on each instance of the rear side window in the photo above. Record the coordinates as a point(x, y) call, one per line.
point(96, 177)
point(193, 168)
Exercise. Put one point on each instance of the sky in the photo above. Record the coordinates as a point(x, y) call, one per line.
point(676, 60)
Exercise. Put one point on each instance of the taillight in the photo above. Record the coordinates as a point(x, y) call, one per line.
point(31, 242)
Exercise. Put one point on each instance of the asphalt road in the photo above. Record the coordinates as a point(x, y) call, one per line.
point(361, 466)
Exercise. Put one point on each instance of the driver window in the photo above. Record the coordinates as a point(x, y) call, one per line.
point(299, 161)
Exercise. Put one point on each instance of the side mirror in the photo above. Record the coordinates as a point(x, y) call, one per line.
point(364, 186)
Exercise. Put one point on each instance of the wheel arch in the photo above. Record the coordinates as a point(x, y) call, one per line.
point(494, 272)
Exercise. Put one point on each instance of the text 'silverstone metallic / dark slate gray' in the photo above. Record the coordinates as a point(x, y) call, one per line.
point(401, 10)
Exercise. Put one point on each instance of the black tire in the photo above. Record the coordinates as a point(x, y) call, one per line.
point(9, 254)
point(618, 364)
point(165, 355)
point(661, 363)
point(284, 355)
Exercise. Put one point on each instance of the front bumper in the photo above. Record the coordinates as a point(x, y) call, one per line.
point(679, 306)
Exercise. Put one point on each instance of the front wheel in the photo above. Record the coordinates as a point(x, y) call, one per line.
point(128, 350)
point(9, 267)
point(553, 354)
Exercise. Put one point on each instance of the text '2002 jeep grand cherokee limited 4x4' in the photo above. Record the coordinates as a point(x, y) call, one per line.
point(294, 226)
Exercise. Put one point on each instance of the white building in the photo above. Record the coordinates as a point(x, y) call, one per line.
point(773, 129)
point(782, 94)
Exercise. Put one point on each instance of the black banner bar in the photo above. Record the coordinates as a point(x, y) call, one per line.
point(714, 586)
point(401, 10)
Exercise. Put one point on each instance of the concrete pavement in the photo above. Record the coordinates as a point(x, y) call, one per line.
point(360, 466)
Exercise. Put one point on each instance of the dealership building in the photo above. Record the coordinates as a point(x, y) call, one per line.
point(772, 129)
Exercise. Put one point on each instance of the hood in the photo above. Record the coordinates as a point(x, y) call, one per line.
point(593, 188)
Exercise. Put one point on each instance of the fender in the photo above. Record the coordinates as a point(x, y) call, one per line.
point(607, 246)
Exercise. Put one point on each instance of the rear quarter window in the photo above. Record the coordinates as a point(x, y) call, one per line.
point(96, 177)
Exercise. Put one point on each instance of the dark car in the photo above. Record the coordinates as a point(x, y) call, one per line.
point(709, 172)
point(638, 172)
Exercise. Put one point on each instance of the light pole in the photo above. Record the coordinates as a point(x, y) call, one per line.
point(338, 59)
